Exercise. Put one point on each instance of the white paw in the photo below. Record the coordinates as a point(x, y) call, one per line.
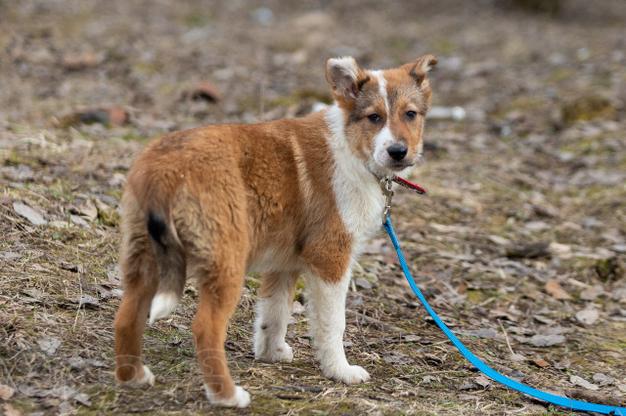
point(241, 398)
point(349, 374)
point(146, 379)
point(280, 354)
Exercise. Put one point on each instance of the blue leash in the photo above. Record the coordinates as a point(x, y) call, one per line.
point(484, 368)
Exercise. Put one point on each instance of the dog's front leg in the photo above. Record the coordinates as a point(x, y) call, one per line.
point(326, 304)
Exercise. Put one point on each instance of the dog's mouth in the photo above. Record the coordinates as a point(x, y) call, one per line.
point(398, 166)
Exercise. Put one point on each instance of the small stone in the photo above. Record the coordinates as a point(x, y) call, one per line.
point(592, 293)
point(546, 340)
point(49, 345)
point(588, 316)
point(33, 216)
point(297, 308)
point(579, 381)
point(363, 283)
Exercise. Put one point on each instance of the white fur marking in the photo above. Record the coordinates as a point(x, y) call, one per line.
point(384, 138)
point(240, 399)
point(162, 306)
point(357, 192)
point(270, 326)
point(326, 305)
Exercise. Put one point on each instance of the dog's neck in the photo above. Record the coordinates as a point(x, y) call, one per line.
point(359, 198)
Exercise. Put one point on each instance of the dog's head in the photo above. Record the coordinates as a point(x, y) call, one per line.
point(383, 111)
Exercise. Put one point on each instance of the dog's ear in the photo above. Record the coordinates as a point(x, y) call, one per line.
point(420, 68)
point(344, 76)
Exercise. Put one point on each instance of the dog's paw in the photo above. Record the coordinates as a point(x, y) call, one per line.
point(240, 399)
point(146, 378)
point(349, 374)
point(280, 354)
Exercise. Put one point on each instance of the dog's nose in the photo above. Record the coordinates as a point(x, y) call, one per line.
point(397, 151)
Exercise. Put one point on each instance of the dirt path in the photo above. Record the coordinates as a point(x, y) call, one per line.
point(520, 244)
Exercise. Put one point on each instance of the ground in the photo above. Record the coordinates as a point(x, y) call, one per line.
point(520, 243)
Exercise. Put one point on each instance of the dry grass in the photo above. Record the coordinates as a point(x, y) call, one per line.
point(511, 171)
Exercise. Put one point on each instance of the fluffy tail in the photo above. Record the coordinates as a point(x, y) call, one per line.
point(171, 263)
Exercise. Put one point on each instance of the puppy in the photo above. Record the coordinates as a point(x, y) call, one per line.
point(286, 198)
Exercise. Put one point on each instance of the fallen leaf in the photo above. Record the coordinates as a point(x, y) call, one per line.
point(6, 392)
point(554, 289)
point(541, 363)
point(49, 345)
point(588, 316)
point(482, 381)
point(29, 213)
point(579, 381)
point(546, 340)
point(111, 116)
point(78, 61)
point(11, 411)
point(206, 91)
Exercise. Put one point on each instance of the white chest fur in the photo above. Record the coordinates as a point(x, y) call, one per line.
point(357, 192)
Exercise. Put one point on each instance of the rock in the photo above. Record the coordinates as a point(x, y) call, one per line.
point(363, 283)
point(579, 381)
point(263, 16)
point(446, 113)
point(560, 250)
point(602, 379)
point(32, 215)
point(86, 210)
point(19, 173)
point(619, 248)
point(546, 340)
point(297, 308)
point(49, 345)
point(588, 316)
point(592, 293)
point(88, 302)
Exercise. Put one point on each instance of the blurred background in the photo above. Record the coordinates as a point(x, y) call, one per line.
point(521, 242)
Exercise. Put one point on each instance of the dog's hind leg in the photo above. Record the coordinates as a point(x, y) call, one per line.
point(139, 274)
point(273, 312)
point(220, 287)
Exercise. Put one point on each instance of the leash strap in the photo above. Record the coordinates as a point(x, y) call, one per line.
point(482, 366)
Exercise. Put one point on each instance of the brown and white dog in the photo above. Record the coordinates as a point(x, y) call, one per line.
point(284, 198)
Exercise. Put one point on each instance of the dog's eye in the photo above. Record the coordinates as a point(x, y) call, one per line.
point(411, 114)
point(374, 118)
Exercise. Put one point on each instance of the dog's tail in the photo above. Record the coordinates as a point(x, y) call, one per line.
point(171, 264)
